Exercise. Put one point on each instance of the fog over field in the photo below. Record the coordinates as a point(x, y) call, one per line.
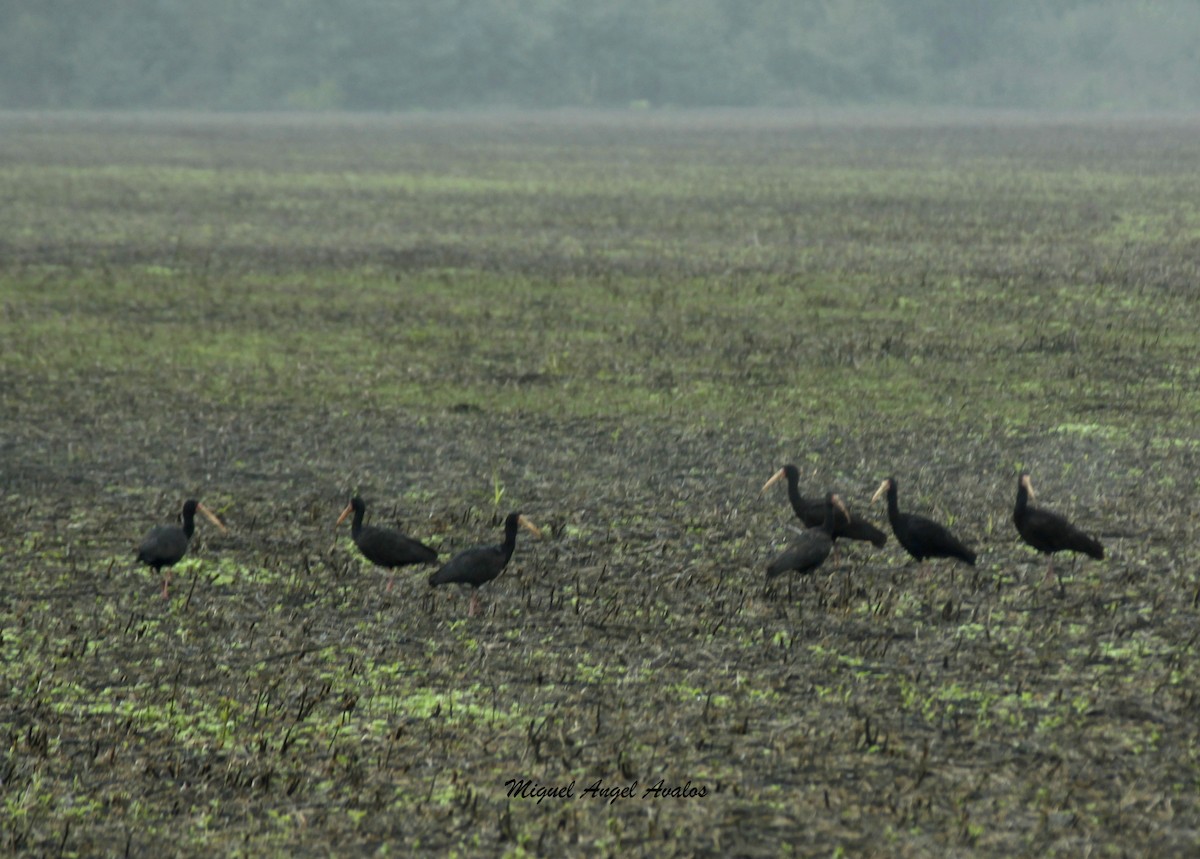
point(1106, 55)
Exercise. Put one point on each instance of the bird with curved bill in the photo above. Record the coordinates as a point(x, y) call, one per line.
point(810, 549)
point(921, 537)
point(476, 567)
point(165, 545)
point(1047, 531)
point(384, 547)
point(811, 511)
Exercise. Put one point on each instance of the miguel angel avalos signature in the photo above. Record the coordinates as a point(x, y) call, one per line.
point(530, 789)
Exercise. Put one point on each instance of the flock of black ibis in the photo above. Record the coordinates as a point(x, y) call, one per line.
point(825, 520)
point(828, 519)
point(387, 548)
point(166, 545)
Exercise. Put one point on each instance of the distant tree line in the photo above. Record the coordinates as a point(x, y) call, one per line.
point(416, 54)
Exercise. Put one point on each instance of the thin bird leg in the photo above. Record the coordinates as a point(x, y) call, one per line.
point(473, 609)
point(1049, 569)
point(166, 585)
point(391, 581)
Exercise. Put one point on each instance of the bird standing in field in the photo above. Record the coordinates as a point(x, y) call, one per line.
point(165, 545)
point(383, 546)
point(921, 537)
point(811, 511)
point(810, 549)
point(478, 566)
point(1048, 532)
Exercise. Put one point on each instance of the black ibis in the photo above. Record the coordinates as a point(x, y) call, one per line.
point(165, 545)
point(809, 550)
point(921, 537)
point(478, 566)
point(811, 511)
point(383, 546)
point(1048, 532)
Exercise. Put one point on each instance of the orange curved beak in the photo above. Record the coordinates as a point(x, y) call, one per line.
point(526, 524)
point(775, 478)
point(211, 517)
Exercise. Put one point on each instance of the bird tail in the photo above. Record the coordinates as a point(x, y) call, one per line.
point(857, 529)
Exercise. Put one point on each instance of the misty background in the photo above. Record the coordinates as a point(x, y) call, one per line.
point(456, 54)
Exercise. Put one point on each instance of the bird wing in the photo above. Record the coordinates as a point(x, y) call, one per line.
point(473, 566)
point(806, 553)
point(811, 511)
point(859, 529)
point(386, 547)
point(164, 544)
point(933, 539)
point(1048, 531)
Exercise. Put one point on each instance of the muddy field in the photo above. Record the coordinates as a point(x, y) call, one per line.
point(620, 326)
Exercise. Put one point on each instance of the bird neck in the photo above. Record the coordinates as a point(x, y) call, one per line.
point(510, 539)
point(893, 504)
point(356, 524)
point(1022, 500)
point(189, 524)
point(827, 524)
point(793, 490)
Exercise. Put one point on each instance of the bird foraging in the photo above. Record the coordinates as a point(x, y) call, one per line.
point(478, 566)
point(384, 547)
point(1047, 531)
point(921, 537)
point(810, 549)
point(811, 511)
point(165, 545)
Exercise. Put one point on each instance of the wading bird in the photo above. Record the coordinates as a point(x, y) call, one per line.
point(165, 545)
point(809, 550)
point(384, 547)
point(921, 537)
point(1048, 532)
point(811, 511)
point(478, 566)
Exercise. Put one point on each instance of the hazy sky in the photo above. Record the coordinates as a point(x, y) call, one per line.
point(377, 55)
